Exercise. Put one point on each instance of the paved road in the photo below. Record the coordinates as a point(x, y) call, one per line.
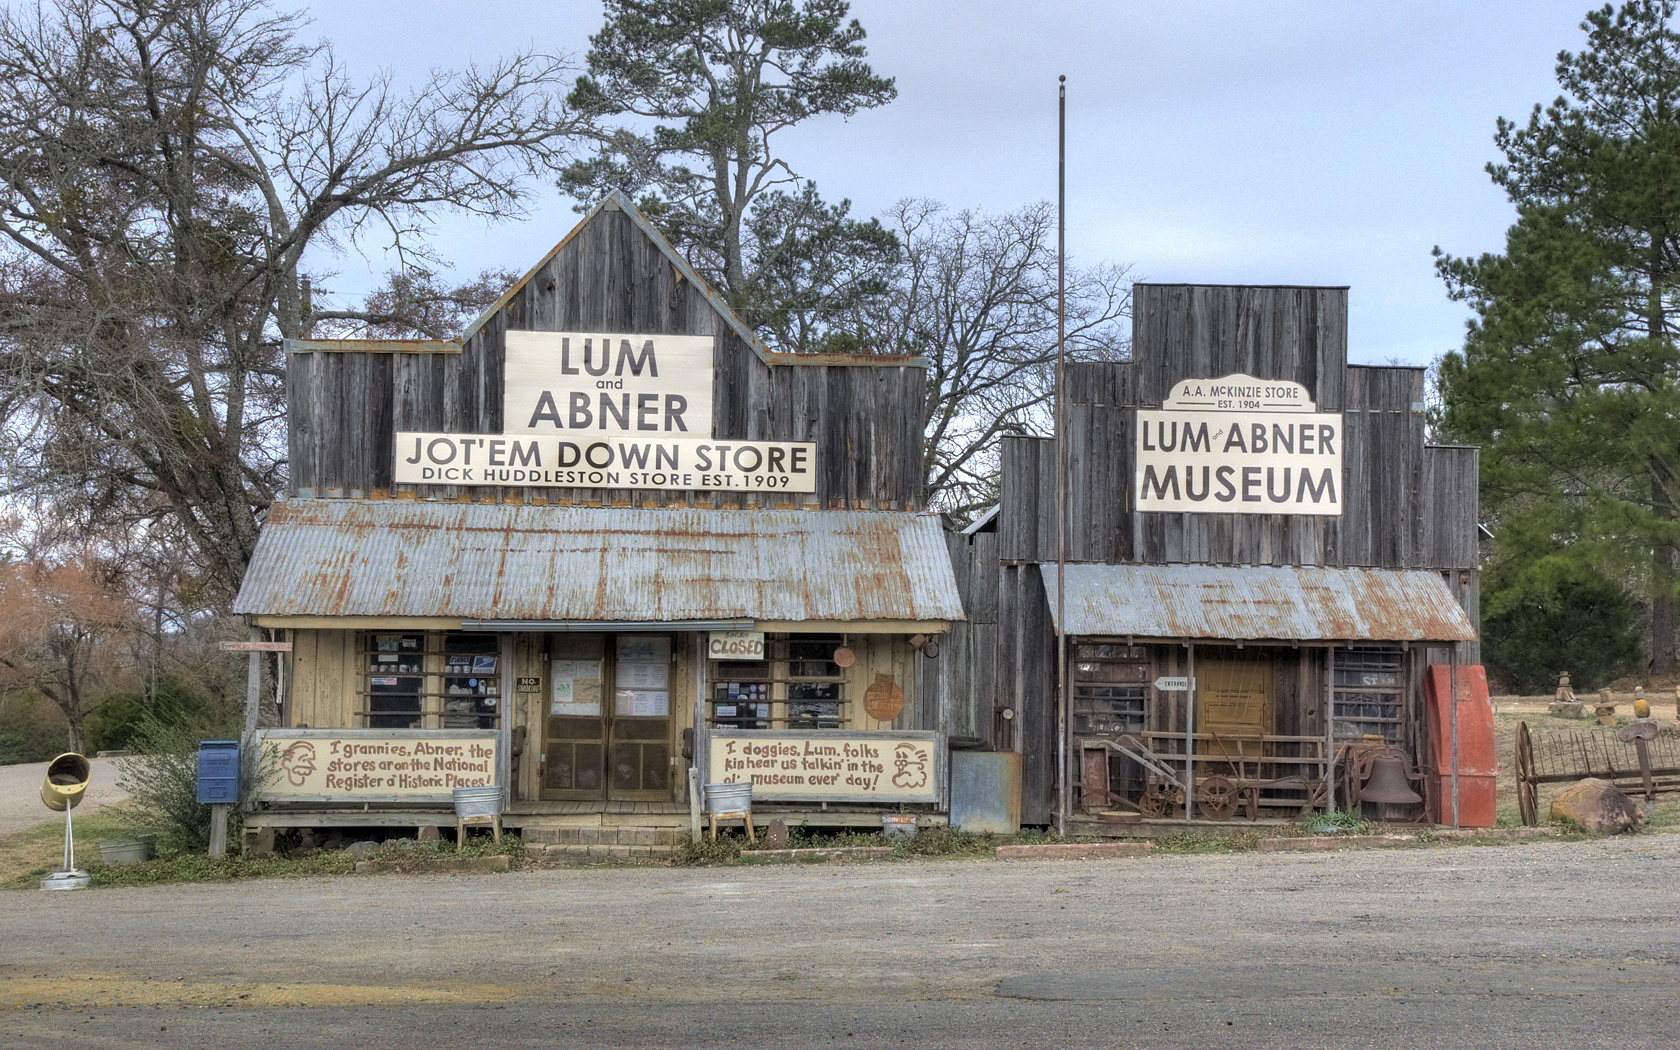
point(1538, 945)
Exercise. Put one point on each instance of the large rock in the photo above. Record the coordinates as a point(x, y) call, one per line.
point(1595, 806)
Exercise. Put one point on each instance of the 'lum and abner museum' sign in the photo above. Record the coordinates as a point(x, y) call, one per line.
point(1239, 445)
point(606, 411)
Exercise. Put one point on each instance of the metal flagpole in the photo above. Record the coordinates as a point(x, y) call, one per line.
point(1062, 777)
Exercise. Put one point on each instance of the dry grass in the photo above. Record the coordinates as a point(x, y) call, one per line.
point(39, 851)
point(1512, 711)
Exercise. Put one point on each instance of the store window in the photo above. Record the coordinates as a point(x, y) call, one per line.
point(1367, 694)
point(429, 680)
point(798, 686)
point(1110, 685)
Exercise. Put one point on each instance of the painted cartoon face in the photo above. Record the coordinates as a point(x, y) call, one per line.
point(298, 761)
point(910, 765)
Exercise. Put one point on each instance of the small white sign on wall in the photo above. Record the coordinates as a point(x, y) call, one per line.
point(735, 645)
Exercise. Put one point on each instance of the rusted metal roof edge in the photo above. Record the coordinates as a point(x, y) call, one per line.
point(338, 558)
point(1282, 604)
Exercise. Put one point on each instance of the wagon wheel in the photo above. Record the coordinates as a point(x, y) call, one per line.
point(1527, 797)
point(1160, 799)
point(1217, 798)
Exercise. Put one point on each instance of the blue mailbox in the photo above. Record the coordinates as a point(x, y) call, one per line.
point(218, 772)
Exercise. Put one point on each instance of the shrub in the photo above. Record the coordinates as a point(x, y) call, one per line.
point(31, 729)
point(161, 778)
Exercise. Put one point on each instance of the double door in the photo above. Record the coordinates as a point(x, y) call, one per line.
point(607, 735)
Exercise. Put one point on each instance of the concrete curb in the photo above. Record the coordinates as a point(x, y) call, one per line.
point(832, 856)
point(1075, 851)
point(439, 866)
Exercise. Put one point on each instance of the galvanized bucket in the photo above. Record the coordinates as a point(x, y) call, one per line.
point(728, 798)
point(898, 825)
point(478, 801)
point(124, 851)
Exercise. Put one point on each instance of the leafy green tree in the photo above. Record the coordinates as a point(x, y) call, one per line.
point(1584, 626)
point(707, 84)
point(1568, 374)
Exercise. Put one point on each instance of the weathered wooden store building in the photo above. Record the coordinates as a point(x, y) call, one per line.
point(602, 539)
point(607, 547)
point(1267, 576)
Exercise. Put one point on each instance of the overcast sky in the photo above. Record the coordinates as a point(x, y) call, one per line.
point(1208, 142)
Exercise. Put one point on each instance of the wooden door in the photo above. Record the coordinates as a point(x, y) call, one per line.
point(608, 730)
point(1235, 695)
point(575, 731)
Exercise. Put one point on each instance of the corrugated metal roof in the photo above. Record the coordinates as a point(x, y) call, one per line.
point(510, 562)
point(1288, 603)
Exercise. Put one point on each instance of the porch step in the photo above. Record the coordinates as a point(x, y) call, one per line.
point(603, 835)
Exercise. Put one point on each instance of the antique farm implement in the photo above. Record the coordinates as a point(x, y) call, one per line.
point(1228, 774)
point(1640, 758)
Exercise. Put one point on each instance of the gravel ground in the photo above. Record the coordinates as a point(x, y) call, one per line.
point(21, 807)
point(1532, 946)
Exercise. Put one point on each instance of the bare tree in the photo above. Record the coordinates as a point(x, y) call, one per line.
point(65, 631)
point(976, 295)
point(171, 171)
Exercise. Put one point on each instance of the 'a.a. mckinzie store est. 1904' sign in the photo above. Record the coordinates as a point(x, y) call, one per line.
point(1238, 445)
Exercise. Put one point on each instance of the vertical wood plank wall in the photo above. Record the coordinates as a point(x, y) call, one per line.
point(608, 277)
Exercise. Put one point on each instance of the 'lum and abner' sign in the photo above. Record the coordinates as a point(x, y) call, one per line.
point(606, 410)
point(1238, 445)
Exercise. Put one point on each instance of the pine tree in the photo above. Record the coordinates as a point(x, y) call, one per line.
point(1568, 374)
point(705, 86)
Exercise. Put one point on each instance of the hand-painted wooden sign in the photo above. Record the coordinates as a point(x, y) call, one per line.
point(370, 765)
point(832, 766)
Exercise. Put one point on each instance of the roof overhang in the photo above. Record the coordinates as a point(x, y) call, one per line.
point(1258, 603)
point(535, 567)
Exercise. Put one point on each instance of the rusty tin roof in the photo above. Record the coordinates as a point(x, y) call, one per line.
point(509, 562)
point(1257, 603)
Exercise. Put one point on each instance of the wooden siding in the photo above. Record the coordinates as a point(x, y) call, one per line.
point(1198, 331)
point(1403, 506)
point(959, 690)
point(1026, 681)
point(609, 277)
point(1449, 536)
point(322, 687)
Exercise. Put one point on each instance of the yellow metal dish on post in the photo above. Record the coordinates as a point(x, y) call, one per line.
point(66, 781)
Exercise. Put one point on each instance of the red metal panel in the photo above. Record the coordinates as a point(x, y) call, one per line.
point(1478, 765)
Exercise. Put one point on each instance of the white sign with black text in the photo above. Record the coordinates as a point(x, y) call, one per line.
point(611, 463)
point(590, 385)
point(735, 645)
point(1238, 445)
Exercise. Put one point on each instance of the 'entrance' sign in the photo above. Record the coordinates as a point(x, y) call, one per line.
point(1238, 445)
